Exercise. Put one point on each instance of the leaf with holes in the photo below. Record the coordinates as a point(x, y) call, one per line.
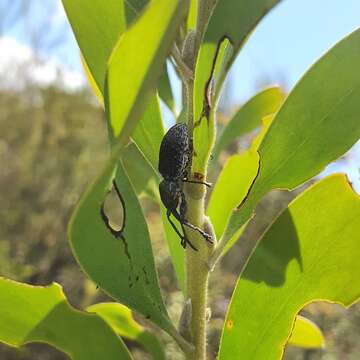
point(296, 262)
point(123, 267)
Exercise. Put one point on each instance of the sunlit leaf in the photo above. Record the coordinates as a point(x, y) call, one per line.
point(231, 187)
point(134, 70)
point(120, 318)
point(91, 81)
point(42, 314)
point(317, 123)
point(249, 117)
point(306, 334)
point(96, 30)
point(296, 262)
point(191, 19)
point(147, 140)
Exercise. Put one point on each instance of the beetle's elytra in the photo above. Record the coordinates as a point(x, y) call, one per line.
point(175, 152)
point(174, 158)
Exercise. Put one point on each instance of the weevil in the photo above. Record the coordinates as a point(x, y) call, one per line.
point(174, 159)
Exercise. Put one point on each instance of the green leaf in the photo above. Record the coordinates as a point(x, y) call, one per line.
point(146, 181)
point(228, 28)
point(99, 24)
point(204, 128)
point(120, 318)
point(122, 267)
point(164, 19)
point(306, 334)
point(96, 30)
point(191, 19)
point(42, 314)
point(317, 123)
point(231, 187)
point(150, 131)
point(134, 70)
point(310, 253)
point(249, 117)
point(96, 26)
point(136, 5)
point(142, 175)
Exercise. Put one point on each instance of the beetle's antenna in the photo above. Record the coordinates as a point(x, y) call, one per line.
point(198, 182)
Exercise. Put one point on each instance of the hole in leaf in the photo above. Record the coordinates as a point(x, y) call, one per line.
point(114, 210)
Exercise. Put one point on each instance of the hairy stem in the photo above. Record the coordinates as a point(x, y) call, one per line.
point(197, 270)
point(204, 9)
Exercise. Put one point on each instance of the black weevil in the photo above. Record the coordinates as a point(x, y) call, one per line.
point(174, 158)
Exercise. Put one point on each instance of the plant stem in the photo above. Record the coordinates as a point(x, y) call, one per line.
point(197, 270)
point(185, 72)
point(203, 12)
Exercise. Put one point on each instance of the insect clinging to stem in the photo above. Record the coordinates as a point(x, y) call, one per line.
point(174, 158)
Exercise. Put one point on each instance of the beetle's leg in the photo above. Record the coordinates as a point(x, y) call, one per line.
point(116, 233)
point(168, 214)
point(181, 217)
point(183, 238)
point(187, 241)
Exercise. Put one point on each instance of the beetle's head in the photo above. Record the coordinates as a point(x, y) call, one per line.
point(169, 193)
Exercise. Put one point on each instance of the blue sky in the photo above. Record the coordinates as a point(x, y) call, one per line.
point(290, 39)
